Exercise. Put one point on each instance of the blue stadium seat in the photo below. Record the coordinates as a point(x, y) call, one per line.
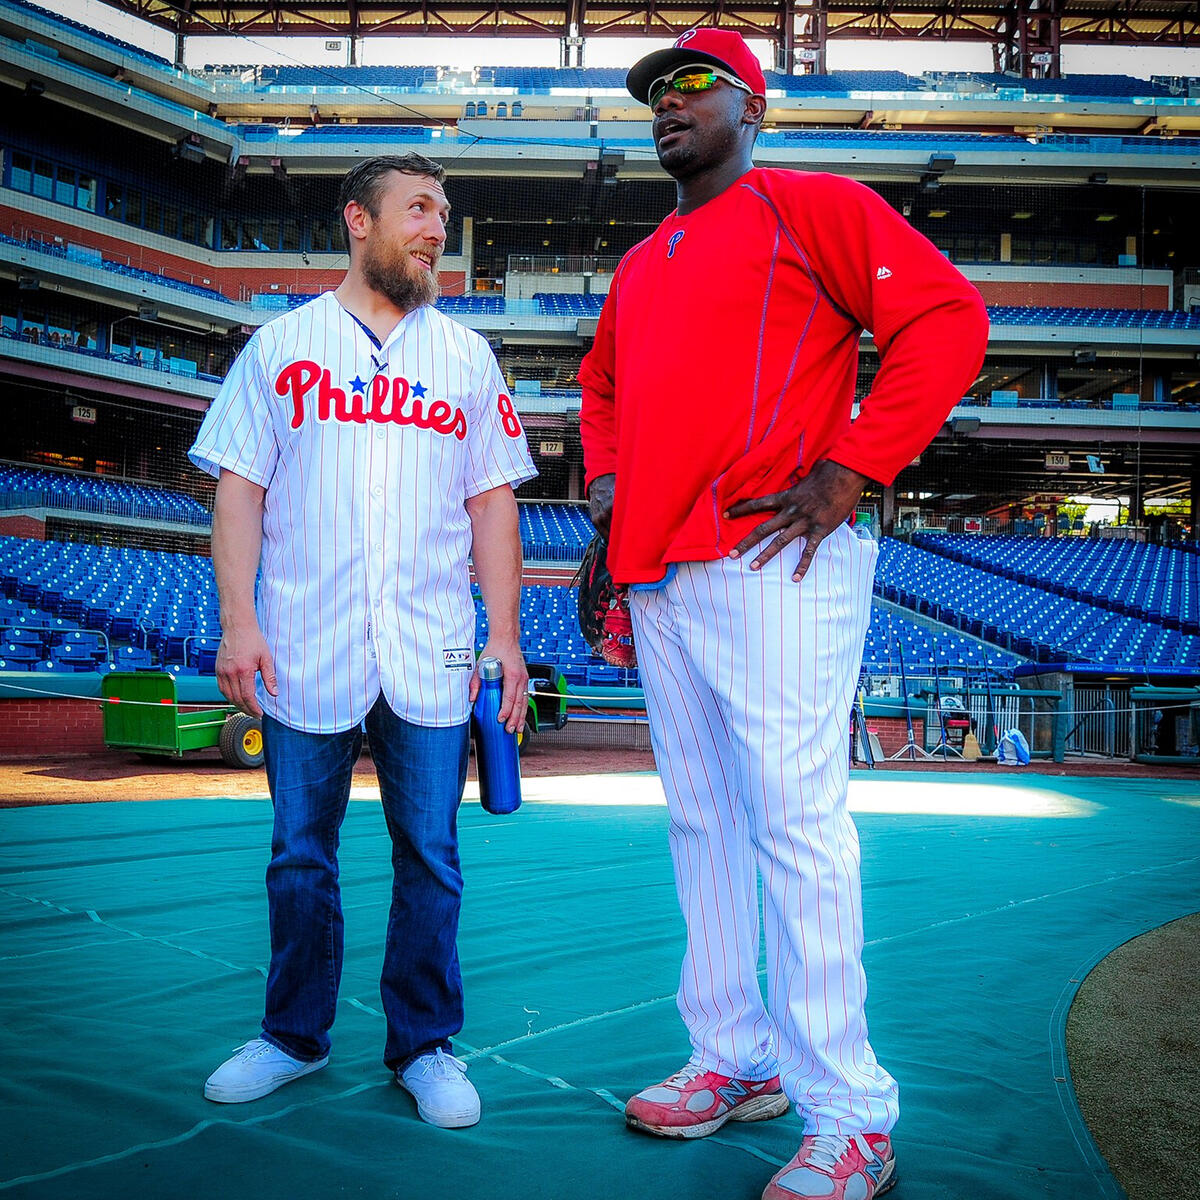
point(22, 653)
point(134, 658)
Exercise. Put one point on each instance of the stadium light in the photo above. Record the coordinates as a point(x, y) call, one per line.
point(189, 148)
point(940, 162)
point(605, 167)
point(611, 161)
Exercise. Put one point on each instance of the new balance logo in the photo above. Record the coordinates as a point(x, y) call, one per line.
point(732, 1092)
point(883, 273)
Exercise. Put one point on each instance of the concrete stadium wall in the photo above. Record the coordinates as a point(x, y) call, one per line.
point(66, 724)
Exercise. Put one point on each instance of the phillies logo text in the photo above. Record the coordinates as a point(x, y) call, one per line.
point(392, 401)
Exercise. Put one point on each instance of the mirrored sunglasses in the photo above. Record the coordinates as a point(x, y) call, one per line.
point(691, 79)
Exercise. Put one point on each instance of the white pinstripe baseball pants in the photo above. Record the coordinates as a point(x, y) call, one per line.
point(749, 679)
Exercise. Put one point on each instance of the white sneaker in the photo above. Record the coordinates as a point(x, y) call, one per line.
point(255, 1070)
point(438, 1083)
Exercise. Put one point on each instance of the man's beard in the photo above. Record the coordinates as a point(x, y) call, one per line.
point(396, 277)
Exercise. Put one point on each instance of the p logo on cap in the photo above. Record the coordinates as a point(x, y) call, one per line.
point(722, 47)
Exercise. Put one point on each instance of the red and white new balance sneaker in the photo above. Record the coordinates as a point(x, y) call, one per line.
point(836, 1168)
point(694, 1103)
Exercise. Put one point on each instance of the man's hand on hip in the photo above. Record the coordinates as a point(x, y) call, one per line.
point(812, 508)
point(241, 656)
point(600, 503)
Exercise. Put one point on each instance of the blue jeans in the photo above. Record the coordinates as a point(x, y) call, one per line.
point(422, 771)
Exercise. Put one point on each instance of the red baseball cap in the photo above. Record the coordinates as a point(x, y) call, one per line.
point(721, 47)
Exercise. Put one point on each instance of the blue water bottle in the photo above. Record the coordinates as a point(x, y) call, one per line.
point(496, 757)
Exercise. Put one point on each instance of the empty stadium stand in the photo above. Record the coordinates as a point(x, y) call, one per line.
point(541, 79)
point(973, 604)
point(170, 366)
point(337, 133)
point(1031, 621)
point(30, 487)
point(1094, 318)
point(470, 305)
point(162, 602)
point(554, 532)
point(568, 304)
point(1103, 87)
point(1161, 583)
point(575, 304)
point(923, 647)
point(96, 259)
point(347, 77)
point(236, 177)
point(87, 31)
point(841, 83)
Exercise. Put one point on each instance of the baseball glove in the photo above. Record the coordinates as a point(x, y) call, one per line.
point(604, 608)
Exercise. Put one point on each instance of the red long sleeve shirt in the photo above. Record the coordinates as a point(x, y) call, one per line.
point(725, 357)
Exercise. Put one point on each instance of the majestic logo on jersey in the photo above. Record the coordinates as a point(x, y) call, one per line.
point(673, 241)
point(883, 273)
point(458, 658)
point(391, 401)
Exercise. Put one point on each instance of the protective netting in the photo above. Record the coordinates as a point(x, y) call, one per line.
point(137, 265)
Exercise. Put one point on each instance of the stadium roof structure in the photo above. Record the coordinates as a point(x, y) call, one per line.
point(1026, 36)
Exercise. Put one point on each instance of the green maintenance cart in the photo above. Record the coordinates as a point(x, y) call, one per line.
point(142, 713)
point(547, 703)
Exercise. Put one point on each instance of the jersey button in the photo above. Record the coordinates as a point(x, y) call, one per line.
point(378, 490)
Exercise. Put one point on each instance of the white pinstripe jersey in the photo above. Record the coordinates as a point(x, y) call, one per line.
point(367, 454)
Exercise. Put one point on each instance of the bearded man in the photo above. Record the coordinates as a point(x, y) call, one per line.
point(365, 445)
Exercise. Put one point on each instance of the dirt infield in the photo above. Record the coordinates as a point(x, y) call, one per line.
point(114, 775)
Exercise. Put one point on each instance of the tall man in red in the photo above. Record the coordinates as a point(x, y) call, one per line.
point(723, 466)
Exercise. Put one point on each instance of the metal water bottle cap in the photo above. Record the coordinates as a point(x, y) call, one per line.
point(491, 668)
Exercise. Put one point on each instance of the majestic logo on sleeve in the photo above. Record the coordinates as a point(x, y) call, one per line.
point(386, 401)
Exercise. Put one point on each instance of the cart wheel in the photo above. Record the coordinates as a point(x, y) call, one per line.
point(242, 741)
point(524, 738)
